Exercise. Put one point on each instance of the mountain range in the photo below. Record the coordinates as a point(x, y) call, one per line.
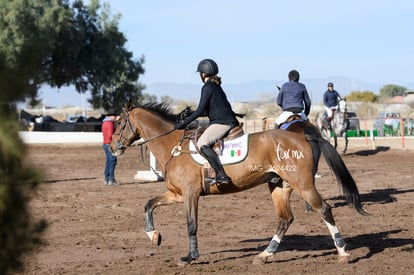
point(257, 90)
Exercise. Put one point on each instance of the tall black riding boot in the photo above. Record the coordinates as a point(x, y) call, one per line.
point(213, 159)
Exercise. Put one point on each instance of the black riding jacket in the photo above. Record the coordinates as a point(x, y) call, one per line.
point(214, 104)
point(330, 98)
point(294, 97)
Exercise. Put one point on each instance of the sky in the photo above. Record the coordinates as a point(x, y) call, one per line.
point(368, 40)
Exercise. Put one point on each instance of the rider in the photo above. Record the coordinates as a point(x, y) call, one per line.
point(331, 100)
point(293, 98)
point(214, 104)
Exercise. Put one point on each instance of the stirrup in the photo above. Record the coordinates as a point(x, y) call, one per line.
point(223, 179)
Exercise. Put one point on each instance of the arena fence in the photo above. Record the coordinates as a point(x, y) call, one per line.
point(403, 130)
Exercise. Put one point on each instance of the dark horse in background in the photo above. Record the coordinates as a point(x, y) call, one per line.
point(287, 161)
point(338, 124)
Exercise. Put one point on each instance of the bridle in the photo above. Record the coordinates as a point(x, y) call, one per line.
point(120, 144)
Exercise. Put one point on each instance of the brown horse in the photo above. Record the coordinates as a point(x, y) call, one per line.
point(282, 159)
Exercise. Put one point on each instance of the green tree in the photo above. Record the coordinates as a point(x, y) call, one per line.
point(19, 232)
point(53, 42)
point(26, 35)
point(365, 96)
point(21, 54)
point(391, 90)
point(99, 61)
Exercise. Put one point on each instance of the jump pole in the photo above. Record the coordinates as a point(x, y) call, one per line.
point(150, 175)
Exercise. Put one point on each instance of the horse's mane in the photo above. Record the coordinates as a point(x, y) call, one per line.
point(162, 109)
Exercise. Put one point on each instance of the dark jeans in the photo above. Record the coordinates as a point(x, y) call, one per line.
point(110, 164)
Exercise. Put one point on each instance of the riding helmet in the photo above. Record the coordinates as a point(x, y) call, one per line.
point(330, 84)
point(208, 66)
point(293, 75)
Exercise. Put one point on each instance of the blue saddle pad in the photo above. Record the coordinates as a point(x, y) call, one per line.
point(287, 124)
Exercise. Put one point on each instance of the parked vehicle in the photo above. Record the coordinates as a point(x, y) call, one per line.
point(76, 118)
point(387, 123)
point(353, 120)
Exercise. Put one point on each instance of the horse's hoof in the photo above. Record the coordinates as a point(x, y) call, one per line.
point(186, 260)
point(259, 260)
point(343, 259)
point(262, 258)
point(183, 263)
point(155, 237)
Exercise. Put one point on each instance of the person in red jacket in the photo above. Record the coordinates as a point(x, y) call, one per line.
point(108, 129)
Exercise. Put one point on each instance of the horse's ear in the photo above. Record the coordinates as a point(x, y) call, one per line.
point(128, 106)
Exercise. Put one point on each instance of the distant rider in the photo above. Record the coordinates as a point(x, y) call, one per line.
point(331, 100)
point(293, 98)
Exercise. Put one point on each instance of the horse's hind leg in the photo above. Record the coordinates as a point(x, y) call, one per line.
point(315, 200)
point(163, 199)
point(280, 195)
point(327, 217)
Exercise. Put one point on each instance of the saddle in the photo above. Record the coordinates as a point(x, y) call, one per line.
point(292, 119)
point(235, 132)
point(232, 148)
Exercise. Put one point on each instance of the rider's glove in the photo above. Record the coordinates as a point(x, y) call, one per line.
point(180, 125)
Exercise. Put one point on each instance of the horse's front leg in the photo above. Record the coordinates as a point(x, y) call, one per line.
point(163, 199)
point(346, 144)
point(191, 206)
point(280, 196)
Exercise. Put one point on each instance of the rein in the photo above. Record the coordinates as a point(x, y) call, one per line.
point(153, 138)
point(119, 144)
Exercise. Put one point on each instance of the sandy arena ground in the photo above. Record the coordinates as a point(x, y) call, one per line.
point(96, 229)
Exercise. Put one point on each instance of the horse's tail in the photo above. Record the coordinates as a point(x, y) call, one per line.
point(337, 165)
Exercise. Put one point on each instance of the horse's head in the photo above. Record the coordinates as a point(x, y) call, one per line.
point(342, 105)
point(125, 132)
point(340, 122)
point(139, 125)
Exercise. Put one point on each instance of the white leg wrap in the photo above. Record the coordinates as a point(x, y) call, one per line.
point(273, 245)
point(332, 229)
point(276, 238)
point(338, 241)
